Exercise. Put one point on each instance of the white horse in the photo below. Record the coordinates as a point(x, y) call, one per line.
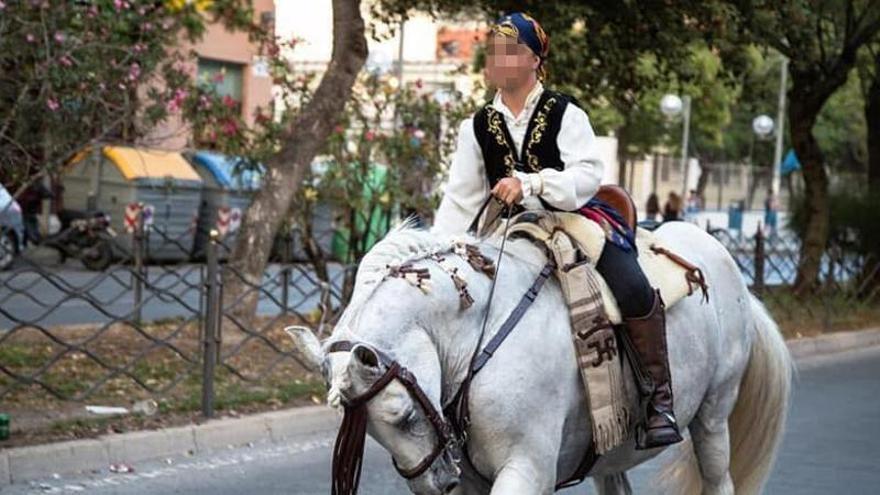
point(731, 373)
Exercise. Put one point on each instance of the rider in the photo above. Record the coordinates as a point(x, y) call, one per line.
point(534, 148)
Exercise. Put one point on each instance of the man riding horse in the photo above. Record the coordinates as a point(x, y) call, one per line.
point(534, 148)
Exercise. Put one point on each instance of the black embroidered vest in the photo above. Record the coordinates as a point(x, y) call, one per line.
point(539, 148)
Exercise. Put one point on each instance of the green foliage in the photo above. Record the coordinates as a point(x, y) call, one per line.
point(384, 159)
point(855, 224)
point(74, 73)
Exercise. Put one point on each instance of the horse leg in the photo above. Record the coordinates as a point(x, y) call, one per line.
point(521, 476)
point(614, 484)
point(711, 442)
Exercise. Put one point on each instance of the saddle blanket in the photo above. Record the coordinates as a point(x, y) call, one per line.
point(576, 243)
point(674, 277)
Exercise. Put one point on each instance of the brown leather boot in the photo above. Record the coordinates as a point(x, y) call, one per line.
point(648, 337)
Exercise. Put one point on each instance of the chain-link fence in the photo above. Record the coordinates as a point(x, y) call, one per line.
point(848, 295)
point(140, 330)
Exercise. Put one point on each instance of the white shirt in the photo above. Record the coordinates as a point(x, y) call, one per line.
point(567, 189)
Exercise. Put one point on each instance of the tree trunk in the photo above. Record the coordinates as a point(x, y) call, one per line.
point(622, 156)
point(872, 116)
point(802, 112)
point(302, 142)
point(706, 171)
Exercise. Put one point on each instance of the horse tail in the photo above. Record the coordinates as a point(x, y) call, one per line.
point(758, 419)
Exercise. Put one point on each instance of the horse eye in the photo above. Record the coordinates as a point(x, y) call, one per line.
point(409, 419)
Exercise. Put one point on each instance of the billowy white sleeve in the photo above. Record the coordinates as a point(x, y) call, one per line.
point(570, 188)
point(467, 187)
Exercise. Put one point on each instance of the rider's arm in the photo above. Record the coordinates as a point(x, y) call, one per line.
point(466, 188)
point(570, 188)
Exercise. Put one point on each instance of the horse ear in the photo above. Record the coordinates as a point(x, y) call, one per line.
point(364, 357)
point(308, 346)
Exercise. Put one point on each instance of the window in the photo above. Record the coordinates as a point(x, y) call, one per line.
point(225, 77)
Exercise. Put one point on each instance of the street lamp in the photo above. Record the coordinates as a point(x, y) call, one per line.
point(672, 106)
point(762, 125)
point(762, 128)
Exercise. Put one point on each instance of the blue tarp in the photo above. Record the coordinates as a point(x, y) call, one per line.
point(790, 163)
point(230, 172)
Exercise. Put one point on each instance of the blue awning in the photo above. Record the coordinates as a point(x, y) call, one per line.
point(230, 172)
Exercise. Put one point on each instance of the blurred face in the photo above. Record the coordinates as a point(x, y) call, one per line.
point(509, 64)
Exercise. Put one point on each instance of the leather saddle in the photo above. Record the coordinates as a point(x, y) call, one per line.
point(620, 200)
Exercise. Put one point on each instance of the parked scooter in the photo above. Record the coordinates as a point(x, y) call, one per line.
point(87, 237)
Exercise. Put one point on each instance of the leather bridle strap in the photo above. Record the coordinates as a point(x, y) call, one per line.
point(396, 371)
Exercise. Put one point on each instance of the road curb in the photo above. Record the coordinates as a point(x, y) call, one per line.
point(833, 343)
point(22, 464)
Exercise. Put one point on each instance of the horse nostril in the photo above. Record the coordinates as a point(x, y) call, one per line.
point(451, 486)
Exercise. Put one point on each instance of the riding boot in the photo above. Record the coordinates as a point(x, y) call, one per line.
point(647, 335)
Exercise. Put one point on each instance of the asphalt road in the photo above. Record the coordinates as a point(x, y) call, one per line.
point(69, 295)
point(831, 446)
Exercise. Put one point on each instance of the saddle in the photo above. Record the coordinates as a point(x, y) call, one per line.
point(675, 277)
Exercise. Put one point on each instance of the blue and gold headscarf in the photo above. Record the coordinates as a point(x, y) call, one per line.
point(528, 32)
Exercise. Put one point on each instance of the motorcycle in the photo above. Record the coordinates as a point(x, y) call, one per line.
point(87, 237)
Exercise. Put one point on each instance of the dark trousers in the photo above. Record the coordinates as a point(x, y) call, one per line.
point(627, 281)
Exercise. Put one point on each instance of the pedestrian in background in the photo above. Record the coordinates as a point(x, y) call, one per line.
point(652, 209)
point(672, 209)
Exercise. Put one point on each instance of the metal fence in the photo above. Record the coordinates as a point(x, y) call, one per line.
point(173, 333)
point(141, 330)
point(848, 292)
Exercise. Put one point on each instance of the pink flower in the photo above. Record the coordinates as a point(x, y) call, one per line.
point(229, 102)
point(419, 83)
point(339, 129)
point(134, 72)
point(53, 105)
point(230, 128)
point(30, 38)
point(218, 77)
point(65, 61)
point(59, 37)
point(370, 135)
point(2, 5)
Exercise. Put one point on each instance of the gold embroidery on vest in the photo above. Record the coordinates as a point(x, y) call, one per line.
point(495, 123)
point(541, 121)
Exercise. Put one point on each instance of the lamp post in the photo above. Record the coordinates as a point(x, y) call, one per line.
point(762, 127)
point(777, 152)
point(672, 106)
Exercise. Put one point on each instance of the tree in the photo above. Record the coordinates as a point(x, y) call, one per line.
point(300, 141)
point(821, 39)
point(870, 76)
point(114, 68)
point(63, 62)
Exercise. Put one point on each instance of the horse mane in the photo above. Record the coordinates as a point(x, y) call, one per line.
point(404, 243)
point(407, 243)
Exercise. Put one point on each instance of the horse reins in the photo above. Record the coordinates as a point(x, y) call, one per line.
point(348, 452)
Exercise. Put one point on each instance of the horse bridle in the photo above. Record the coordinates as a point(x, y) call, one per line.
point(354, 408)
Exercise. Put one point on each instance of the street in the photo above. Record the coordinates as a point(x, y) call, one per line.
point(70, 295)
point(830, 447)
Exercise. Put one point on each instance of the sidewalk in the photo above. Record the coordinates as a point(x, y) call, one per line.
point(19, 465)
